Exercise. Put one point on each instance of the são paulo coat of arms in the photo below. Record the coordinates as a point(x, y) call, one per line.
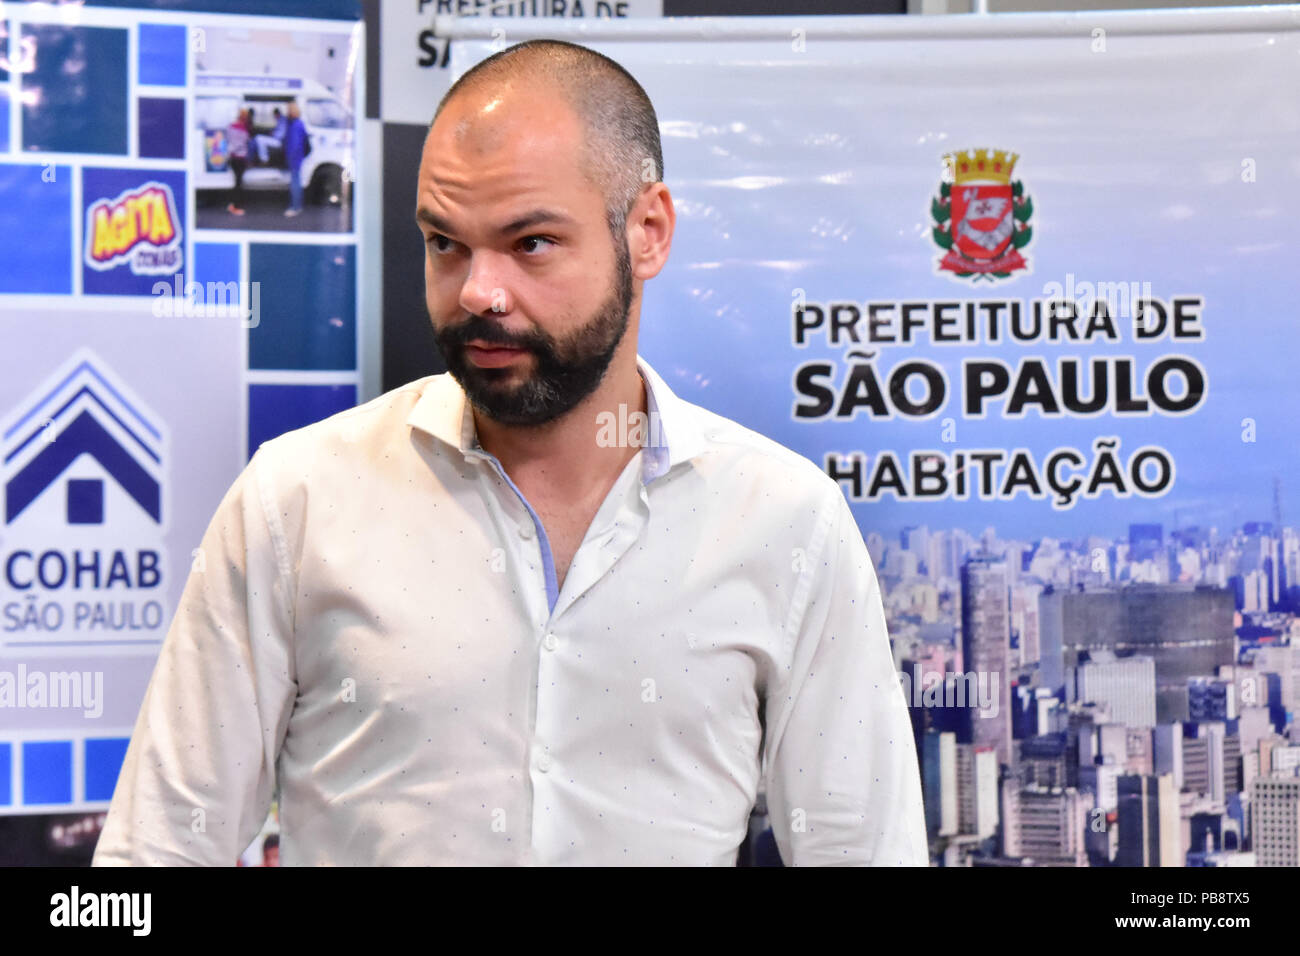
point(981, 217)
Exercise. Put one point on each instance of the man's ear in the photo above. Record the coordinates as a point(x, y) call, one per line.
point(650, 230)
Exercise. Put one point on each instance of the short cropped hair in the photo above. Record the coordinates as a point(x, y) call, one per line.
point(622, 151)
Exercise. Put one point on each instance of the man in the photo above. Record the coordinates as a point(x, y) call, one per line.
point(295, 151)
point(480, 619)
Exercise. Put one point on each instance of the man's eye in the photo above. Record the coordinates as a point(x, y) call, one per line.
point(528, 239)
point(436, 240)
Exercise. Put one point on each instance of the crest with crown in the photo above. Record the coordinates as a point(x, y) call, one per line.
point(982, 227)
point(966, 167)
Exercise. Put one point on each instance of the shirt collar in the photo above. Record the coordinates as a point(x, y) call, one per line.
point(444, 412)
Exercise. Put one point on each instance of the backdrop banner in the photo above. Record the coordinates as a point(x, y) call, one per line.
point(1025, 286)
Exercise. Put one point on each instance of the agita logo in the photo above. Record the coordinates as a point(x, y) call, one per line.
point(139, 228)
point(981, 217)
point(84, 475)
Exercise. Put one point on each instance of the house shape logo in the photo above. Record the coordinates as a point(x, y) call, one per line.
point(83, 414)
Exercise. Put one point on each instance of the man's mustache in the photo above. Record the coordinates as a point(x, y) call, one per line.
point(479, 329)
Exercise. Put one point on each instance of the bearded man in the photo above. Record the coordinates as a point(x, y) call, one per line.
point(467, 622)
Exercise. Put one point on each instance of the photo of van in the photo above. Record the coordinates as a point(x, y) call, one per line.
point(218, 100)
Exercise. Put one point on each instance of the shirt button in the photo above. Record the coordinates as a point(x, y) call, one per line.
point(550, 642)
point(525, 531)
point(544, 763)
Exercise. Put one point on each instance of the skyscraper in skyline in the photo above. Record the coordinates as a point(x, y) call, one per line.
point(986, 647)
point(1126, 686)
point(1186, 629)
point(1275, 820)
point(1149, 823)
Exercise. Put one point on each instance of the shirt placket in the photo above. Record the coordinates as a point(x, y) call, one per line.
point(615, 528)
point(525, 543)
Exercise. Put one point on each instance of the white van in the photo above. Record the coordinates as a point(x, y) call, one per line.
point(218, 99)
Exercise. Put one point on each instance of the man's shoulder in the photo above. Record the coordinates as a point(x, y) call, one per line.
point(735, 451)
point(378, 420)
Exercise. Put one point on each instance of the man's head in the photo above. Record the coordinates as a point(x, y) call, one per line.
point(293, 109)
point(543, 211)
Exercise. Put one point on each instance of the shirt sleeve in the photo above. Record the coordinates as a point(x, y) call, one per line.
point(199, 772)
point(842, 781)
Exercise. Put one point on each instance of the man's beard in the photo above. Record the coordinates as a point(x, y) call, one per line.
point(565, 372)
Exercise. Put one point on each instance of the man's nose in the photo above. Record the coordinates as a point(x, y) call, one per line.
point(484, 289)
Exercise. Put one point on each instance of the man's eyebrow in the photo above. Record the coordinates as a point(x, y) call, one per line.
point(536, 217)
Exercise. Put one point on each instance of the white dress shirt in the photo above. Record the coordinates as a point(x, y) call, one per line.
point(375, 631)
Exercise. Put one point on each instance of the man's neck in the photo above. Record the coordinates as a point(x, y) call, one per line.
point(566, 452)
